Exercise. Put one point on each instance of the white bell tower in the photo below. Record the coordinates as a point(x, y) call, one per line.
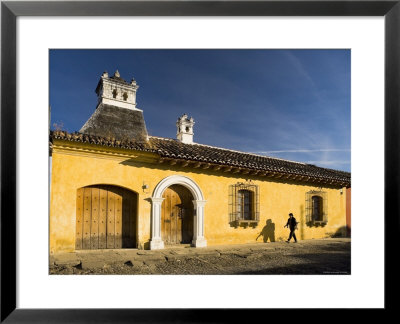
point(185, 129)
point(115, 91)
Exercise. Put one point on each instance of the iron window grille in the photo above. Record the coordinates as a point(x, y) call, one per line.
point(244, 204)
point(316, 208)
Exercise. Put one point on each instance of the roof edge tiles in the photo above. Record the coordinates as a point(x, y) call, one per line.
point(231, 150)
point(170, 149)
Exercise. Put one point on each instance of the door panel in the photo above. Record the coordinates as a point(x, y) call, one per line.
point(118, 220)
point(110, 220)
point(79, 219)
point(87, 210)
point(94, 228)
point(177, 215)
point(132, 203)
point(105, 218)
point(128, 228)
point(167, 219)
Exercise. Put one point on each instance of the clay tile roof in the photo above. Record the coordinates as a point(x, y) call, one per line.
point(204, 153)
point(173, 149)
point(99, 140)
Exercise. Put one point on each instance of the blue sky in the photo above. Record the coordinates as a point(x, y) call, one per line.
point(290, 104)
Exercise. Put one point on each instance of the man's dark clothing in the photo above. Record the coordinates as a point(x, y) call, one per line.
point(292, 234)
point(291, 223)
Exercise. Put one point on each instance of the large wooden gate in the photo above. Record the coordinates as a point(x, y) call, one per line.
point(105, 218)
point(177, 215)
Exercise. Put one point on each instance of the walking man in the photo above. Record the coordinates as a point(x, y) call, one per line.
point(292, 224)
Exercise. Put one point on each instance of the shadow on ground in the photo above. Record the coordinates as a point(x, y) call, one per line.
point(333, 263)
point(325, 256)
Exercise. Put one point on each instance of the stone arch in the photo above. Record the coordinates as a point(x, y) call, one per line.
point(198, 204)
point(181, 180)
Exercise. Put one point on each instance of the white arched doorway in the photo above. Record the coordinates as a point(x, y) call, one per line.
point(198, 204)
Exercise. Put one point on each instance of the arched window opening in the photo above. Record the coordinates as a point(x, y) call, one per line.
point(125, 96)
point(114, 93)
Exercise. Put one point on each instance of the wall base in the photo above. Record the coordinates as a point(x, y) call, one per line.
point(156, 245)
point(200, 242)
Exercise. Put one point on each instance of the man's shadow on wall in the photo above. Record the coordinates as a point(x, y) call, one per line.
point(268, 232)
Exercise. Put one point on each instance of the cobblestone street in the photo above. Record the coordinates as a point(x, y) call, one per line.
point(325, 256)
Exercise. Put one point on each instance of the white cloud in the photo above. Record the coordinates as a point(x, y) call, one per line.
point(304, 151)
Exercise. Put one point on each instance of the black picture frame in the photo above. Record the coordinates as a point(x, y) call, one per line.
point(10, 10)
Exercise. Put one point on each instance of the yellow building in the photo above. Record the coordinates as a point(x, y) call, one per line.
point(114, 186)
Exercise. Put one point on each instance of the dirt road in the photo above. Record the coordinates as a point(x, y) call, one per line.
point(327, 256)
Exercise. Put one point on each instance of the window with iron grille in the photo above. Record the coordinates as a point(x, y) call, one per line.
point(316, 207)
point(243, 204)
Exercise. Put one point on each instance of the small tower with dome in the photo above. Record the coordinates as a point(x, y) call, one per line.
point(185, 129)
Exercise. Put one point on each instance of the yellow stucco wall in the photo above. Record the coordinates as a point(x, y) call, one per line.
point(81, 165)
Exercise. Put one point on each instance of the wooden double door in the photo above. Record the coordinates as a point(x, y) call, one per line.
point(105, 218)
point(177, 215)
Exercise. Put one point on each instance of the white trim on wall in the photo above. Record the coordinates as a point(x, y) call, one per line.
point(198, 203)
